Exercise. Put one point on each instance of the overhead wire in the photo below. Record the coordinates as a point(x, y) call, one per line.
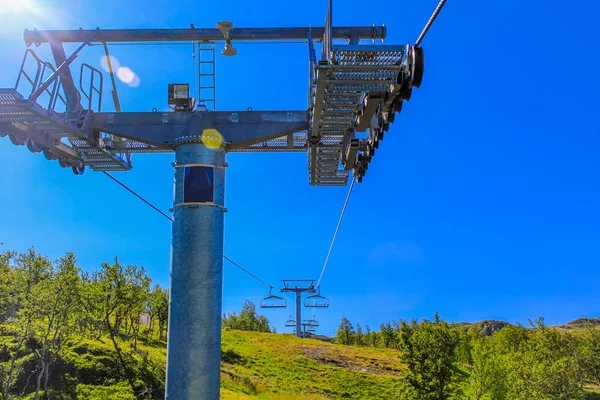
point(430, 22)
point(336, 231)
point(248, 272)
point(171, 219)
point(138, 196)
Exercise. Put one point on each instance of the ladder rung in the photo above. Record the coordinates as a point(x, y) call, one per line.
point(207, 74)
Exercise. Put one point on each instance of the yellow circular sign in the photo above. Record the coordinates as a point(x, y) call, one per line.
point(212, 139)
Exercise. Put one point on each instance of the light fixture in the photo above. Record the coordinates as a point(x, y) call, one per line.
point(179, 97)
point(225, 27)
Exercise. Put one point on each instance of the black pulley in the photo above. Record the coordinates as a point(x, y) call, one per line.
point(418, 66)
point(406, 92)
point(391, 115)
point(34, 148)
point(63, 163)
point(78, 170)
point(17, 140)
point(49, 156)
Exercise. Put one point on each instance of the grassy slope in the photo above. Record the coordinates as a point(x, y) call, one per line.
point(255, 366)
point(270, 366)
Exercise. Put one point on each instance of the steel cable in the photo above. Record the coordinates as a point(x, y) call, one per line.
point(171, 219)
point(428, 25)
point(336, 232)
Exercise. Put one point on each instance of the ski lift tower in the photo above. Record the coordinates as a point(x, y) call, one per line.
point(299, 286)
point(355, 89)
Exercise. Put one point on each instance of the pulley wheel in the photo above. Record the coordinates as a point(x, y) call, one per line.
point(78, 170)
point(391, 116)
point(34, 148)
point(16, 140)
point(406, 92)
point(63, 163)
point(418, 66)
point(49, 156)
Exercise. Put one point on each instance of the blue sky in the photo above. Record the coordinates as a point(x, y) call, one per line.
point(482, 202)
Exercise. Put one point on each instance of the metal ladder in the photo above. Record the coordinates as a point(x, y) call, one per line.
point(207, 83)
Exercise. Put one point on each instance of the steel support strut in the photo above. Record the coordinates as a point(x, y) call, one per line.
point(194, 338)
point(298, 313)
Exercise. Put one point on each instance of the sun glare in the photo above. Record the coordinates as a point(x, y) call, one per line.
point(15, 6)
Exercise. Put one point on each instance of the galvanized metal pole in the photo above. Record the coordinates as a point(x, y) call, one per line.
point(298, 313)
point(194, 338)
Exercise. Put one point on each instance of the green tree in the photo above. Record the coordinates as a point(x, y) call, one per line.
point(590, 354)
point(6, 279)
point(136, 298)
point(429, 350)
point(387, 334)
point(56, 312)
point(248, 320)
point(489, 375)
point(359, 336)
point(546, 367)
point(29, 273)
point(345, 332)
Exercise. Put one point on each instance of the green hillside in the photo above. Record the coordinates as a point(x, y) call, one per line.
point(66, 334)
point(254, 365)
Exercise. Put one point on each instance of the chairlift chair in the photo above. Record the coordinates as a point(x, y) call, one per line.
point(316, 300)
point(312, 322)
point(290, 322)
point(272, 301)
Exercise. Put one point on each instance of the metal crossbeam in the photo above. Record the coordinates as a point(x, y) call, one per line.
point(198, 34)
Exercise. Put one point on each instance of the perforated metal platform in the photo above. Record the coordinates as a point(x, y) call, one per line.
point(339, 87)
point(27, 123)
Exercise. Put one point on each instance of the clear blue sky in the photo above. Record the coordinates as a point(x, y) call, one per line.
point(482, 202)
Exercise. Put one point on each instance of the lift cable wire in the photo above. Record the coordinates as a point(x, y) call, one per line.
point(428, 25)
point(246, 271)
point(336, 231)
point(171, 219)
point(137, 195)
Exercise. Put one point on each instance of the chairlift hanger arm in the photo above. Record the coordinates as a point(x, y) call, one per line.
point(198, 34)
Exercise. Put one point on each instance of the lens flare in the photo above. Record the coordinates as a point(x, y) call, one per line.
point(125, 74)
point(113, 61)
point(16, 5)
point(212, 139)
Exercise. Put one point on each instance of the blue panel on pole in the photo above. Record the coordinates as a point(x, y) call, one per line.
point(199, 184)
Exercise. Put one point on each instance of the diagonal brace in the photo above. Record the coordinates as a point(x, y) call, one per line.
point(56, 74)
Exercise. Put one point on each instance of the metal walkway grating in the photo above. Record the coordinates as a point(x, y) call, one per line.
point(31, 123)
point(353, 70)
